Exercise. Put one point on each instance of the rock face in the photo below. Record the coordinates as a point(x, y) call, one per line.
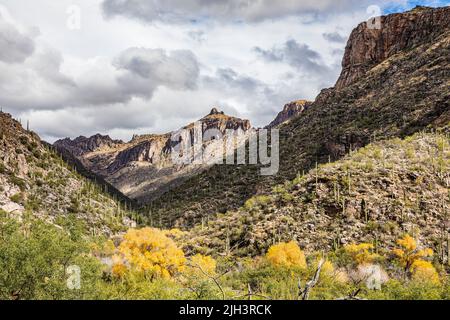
point(368, 46)
point(290, 111)
point(143, 168)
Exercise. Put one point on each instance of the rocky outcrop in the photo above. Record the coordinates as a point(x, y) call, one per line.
point(83, 145)
point(143, 168)
point(290, 111)
point(150, 150)
point(368, 45)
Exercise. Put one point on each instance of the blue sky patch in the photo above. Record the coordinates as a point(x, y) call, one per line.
point(395, 8)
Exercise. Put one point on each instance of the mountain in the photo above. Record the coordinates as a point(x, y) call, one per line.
point(374, 195)
point(398, 86)
point(290, 110)
point(144, 168)
point(35, 180)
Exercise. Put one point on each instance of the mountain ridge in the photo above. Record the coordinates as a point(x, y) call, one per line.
point(142, 168)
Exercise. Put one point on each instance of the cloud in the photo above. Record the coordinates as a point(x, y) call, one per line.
point(187, 11)
point(230, 78)
point(334, 37)
point(298, 55)
point(72, 122)
point(136, 72)
point(197, 35)
point(177, 70)
point(15, 46)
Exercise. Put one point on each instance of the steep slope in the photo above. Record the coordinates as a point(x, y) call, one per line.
point(374, 195)
point(35, 180)
point(289, 111)
point(143, 168)
point(401, 95)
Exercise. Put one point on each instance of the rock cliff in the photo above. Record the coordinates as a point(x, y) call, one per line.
point(368, 46)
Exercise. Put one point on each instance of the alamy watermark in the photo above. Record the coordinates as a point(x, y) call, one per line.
point(74, 279)
point(202, 146)
point(74, 18)
point(374, 21)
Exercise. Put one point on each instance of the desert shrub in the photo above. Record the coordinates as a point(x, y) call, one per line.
point(17, 198)
point(424, 272)
point(401, 290)
point(258, 201)
point(332, 284)
point(75, 205)
point(18, 182)
point(135, 286)
point(23, 140)
point(265, 280)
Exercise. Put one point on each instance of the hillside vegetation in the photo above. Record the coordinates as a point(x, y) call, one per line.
point(35, 180)
point(374, 195)
point(40, 261)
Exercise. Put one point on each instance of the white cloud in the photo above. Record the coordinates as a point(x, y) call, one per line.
point(16, 46)
point(177, 70)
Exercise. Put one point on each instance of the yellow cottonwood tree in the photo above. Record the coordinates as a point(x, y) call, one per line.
point(286, 255)
point(408, 253)
point(148, 251)
point(206, 263)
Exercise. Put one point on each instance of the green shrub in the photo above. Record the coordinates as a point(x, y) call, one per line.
point(18, 182)
point(17, 198)
point(2, 168)
point(23, 140)
point(39, 259)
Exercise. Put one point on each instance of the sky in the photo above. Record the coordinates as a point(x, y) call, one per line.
point(124, 67)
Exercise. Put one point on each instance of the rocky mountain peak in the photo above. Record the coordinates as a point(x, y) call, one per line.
point(290, 111)
point(219, 120)
point(368, 46)
point(215, 111)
